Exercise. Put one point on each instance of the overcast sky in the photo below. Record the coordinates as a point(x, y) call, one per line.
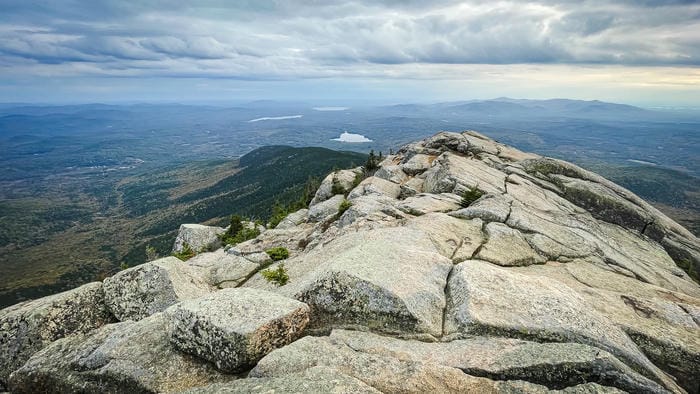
point(641, 52)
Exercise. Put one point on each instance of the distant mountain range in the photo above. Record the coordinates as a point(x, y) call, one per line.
point(531, 108)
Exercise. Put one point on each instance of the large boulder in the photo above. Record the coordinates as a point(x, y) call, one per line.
point(391, 173)
point(28, 327)
point(490, 208)
point(367, 210)
point(375, 186)
point(343, 180)
point(417, 164)
point(508, 247)
point(326, 208)
point(548, 364)
point(128, 357)
point(312, 380)
point(386, 279)
point(293, 219)
point(221, 269)
point(143, 290)
point(454, 238)
point(452, 173)
point(486, 299)
point(383, 371)
point(234, 328)
point(198, 237)
point(424, 203)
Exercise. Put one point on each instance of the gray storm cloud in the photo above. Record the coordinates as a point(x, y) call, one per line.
point(260, 40)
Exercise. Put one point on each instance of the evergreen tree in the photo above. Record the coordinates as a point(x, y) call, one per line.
point(236, 225)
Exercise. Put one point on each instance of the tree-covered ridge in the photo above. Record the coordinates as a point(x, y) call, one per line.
point(146, 209)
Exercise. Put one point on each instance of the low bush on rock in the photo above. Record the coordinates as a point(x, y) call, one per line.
point(337, 188)
point(238, 232)
point(469, 196)
point(344, 206)
point(278, 253)
point(277, 276)
point(186, 253)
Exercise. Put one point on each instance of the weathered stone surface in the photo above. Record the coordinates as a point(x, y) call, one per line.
point(27, 327)
point(653, 317)
point(382, 372)
point(343, 178)
point(456, 239)
point(389, 279)
point(143, 290)
point(507, 247)
point(326, 208)
point(128, 357)
point(451, 173)
point(254, 249)
point(199, 237)
point(221, 269)
point(612, 203)
point(366, 209)
point(490, 208)
point(410, 188)
point(484, 298)
point(375, 186)
point(417, 164)
point(391, 173)
point(293, 219)
point(259, 258)
point(312, 380)
point(555, 365)
point(366, 280)
point(424, 203)
point(234, 328)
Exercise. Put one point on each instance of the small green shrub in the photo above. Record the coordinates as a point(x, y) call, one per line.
point(336, 187)
point(123, 266)
point(469, 196)
point(151, 253)
point(186, 253)
point(278, 276)
point(278, 253)
point(238, 232)
point(236, 225)
point(279, 212)
point(372, 163)
point(359, 177)
point(344, 206)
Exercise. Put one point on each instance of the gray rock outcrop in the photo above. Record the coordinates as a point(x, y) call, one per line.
point(28, 327)
point(128, 357)
point(234, 328)
point(326, 208)
point(221, 269)
point(343, 180)
point(143, 290)
point(293, 219)
point(198, 237)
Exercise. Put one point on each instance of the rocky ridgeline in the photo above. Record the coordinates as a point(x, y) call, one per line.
point(554, 280)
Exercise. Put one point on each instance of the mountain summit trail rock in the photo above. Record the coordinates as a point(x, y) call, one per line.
point(460, 265)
